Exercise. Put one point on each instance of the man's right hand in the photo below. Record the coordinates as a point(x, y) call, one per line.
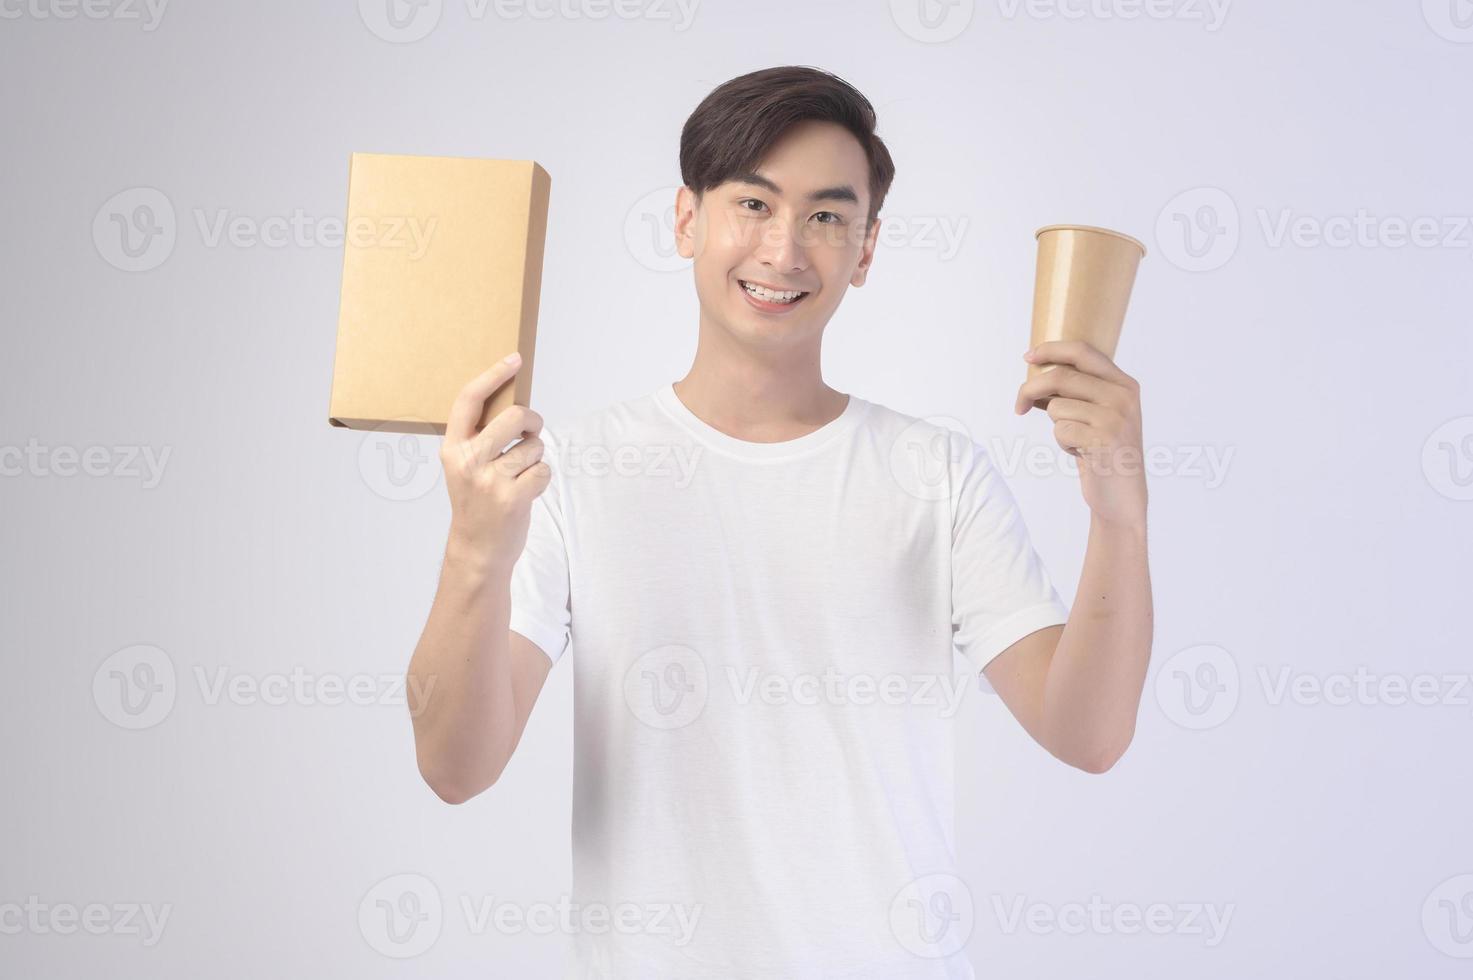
point(491, 491)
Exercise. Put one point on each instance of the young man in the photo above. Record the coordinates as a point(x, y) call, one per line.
point(763, 579)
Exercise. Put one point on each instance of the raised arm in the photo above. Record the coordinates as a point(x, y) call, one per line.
point(1077, 688)
point(476, 680)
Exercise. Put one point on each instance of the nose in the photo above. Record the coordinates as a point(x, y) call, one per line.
point(782, 248)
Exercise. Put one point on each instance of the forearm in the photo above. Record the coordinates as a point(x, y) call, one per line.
point(465, 716)
point(1093, 687)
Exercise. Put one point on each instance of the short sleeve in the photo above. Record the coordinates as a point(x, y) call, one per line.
point(540, 608)
point(1000, 589)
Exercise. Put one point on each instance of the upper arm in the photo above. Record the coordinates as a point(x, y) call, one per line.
point(1018, 674)
point(529, 670)
point(540, 590)
point(1006, 614)
point(540, 615)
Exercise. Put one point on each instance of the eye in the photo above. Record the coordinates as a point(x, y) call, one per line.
point(749, 200)
point(838, 218)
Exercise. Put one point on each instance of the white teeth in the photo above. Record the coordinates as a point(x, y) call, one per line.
point(772, 296)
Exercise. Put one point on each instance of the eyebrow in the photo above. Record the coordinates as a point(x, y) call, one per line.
point(842, 192)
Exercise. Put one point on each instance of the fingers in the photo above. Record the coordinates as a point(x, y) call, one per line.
point(1094, 405)
point(1066, 381)
point(519, 458)
point(1082, 355)
point(1075, 423)
point(1085, 428)
point(1073, 410)
point(1074, 436)
point(535, 477)
point(511, 423)
point(470, 402)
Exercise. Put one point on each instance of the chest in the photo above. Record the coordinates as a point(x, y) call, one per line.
point(802, 556)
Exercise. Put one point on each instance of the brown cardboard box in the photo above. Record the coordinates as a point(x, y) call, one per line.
point(442, 272)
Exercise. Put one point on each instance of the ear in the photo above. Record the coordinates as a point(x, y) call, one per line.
point(867, 254)
point(685, 220)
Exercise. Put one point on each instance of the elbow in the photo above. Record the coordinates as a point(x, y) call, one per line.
point(454, 795)
point(454, 790)
point(1101, 756)
point(1097, 764)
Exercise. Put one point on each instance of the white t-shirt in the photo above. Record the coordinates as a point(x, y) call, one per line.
point(764, 684)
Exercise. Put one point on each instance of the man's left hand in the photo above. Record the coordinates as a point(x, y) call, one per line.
point(1096, 408)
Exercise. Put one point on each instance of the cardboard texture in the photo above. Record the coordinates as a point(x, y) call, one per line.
point(442, 273)
point(1081, 288)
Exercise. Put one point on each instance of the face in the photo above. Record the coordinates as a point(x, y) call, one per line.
point(795, 226)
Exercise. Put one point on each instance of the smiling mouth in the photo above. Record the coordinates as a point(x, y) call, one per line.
point(769, 299)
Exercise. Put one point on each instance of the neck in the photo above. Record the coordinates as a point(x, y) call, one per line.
point(770, 395)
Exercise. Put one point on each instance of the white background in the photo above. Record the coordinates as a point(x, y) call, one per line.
point(1331, 374)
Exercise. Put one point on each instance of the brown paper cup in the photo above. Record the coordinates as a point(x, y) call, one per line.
point(1082, 287)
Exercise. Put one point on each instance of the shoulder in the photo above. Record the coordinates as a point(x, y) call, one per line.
point(630, 421)
point(935, 433)
point(935, 457)
point(887, 420)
